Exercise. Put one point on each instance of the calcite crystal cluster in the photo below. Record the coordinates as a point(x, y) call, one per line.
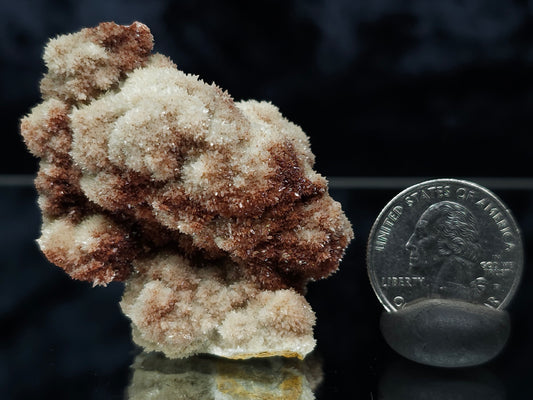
point(207, 208)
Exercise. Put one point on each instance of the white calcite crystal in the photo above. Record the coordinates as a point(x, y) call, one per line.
point(208, 209)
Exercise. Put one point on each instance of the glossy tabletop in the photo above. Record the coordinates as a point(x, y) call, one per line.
point(65, 339)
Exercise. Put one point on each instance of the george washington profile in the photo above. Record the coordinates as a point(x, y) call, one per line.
point(445, 248)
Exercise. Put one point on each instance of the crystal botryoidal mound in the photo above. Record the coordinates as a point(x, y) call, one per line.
point(208, 209)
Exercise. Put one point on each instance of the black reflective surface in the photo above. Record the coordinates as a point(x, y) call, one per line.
point(61, 338)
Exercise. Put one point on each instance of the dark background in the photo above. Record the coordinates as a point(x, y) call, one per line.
point(382, 87)
point(63, 339)
point(388, 87)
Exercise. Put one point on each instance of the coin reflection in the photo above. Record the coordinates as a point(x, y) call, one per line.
point(203, 377)
point(445, 248)
point(407, 380)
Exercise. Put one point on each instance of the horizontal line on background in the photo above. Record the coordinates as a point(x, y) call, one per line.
point(16, 180)
point(350, 182)
point(383, 182)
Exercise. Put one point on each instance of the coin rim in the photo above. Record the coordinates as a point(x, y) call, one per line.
point(518, 275)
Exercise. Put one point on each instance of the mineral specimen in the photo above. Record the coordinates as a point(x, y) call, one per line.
point(208, 209)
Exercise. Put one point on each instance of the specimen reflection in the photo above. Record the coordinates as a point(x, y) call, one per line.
point(204, 377)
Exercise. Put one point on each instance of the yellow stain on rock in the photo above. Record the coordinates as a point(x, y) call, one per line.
point(288, 354)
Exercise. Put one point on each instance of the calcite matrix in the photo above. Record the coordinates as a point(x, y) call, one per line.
point(207, 208)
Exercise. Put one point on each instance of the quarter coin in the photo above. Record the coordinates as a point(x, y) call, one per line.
point(445, 238)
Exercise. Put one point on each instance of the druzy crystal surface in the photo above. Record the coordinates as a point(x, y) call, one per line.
point(208, 209)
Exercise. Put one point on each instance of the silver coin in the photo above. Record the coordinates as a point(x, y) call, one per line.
point(445, 238)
